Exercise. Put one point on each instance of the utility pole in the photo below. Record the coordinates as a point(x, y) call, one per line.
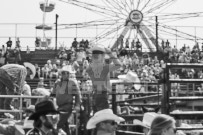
point(56, 36)
point(157, 48)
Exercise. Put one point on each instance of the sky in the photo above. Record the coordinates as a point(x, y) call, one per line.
point(19, 18)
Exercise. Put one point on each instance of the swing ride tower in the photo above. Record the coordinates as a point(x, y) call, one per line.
point(45, 7)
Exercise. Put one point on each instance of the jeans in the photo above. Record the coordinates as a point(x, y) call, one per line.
point(63, 121)
point(100, 101)
point(5, 102)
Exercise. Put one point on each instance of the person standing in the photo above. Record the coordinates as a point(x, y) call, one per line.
point(75, 43)
point(18, 43)
point(9, 43)
point(6, 88)
point(99, 71)
point(27, 92)
point(66, 89)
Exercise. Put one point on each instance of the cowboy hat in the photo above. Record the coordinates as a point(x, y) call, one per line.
point(30, 108)
point(68, 68)
point(98, 48)
point(131, 77)
point(28, 124)
point(103, 115)
point(43, 108)
point(147, 120)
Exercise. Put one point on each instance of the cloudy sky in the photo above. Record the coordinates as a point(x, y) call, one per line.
point(28, 11)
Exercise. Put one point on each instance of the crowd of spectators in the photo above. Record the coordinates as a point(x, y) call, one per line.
point(146, 67)
point(7, 53)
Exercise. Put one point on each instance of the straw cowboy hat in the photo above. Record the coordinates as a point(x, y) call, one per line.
point(68, 68)
point(43, 108)
point(131, 77)
point(98, 48)
point(147, 120)
point(28, 124)
point(103, 115)
point(30, 108)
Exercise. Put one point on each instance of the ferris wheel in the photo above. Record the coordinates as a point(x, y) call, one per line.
point(133, 19)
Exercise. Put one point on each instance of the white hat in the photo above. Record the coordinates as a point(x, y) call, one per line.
point(103, 115)
point(68, 68)
point(147, 119)
point(131, 77)
point(28, 123)
point(98, 48)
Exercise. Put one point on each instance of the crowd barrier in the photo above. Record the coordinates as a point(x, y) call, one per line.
point(20, 110)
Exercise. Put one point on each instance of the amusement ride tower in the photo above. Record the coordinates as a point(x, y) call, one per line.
point(46, 7)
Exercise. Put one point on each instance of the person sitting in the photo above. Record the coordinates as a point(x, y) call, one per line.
point(45, 71)
point(41, 83)
point(54, 72)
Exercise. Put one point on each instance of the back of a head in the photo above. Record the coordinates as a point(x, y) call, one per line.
point(160, 123)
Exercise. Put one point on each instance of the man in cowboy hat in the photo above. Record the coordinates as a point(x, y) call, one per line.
point(6, 88)
point(46, 118)
point(104, 121)
point(99, 71)
point(145, 124)
point(66, 89)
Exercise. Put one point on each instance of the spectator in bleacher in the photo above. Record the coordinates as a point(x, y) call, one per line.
point(18, 42)
point(45, 71)
point(66, 89)
point(49, 64)
point(86, 44)
point(63, 55)
point(2, 59)
point(26, 92)
point(133, 44)
point(75, 43)
point(38, 71)
point(54, 72)
point(9, 43)
point(28, 54)
point(41, 83)
point(99, 74)
point(72, 61)
point(127, 43)
point(82, 43)
point(157, 70)
point(174, 87)
point(17, 55)
point(37, 42)
point(3, 51)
